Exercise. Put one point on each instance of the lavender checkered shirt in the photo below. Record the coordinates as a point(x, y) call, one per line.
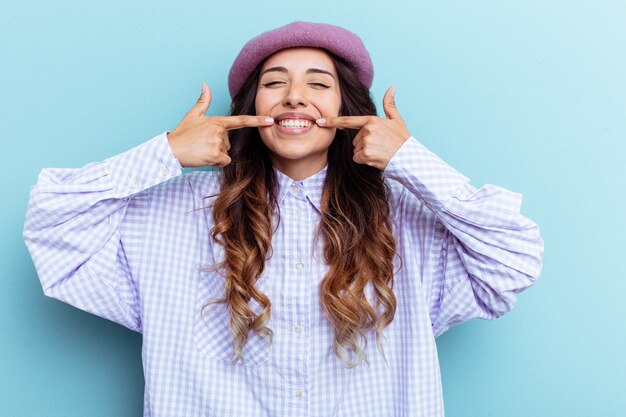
point(124, 239)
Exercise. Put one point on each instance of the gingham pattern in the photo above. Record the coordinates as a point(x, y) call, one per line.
point(124, 239)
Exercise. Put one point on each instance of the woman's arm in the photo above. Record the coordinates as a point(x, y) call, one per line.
point(479, 251)
point(476, 251)
point(83, 226)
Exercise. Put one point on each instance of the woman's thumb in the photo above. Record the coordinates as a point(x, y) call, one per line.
point(203, 103)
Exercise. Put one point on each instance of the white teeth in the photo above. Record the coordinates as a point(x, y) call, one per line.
point(295, 123)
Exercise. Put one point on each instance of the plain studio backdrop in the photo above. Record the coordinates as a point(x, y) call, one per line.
point(528, 95)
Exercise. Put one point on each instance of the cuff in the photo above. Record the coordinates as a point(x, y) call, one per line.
point(424, 174)
point(143, 166)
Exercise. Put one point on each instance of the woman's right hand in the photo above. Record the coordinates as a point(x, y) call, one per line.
point(201, 140)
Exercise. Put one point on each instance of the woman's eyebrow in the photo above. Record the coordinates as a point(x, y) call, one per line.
point(309, 71)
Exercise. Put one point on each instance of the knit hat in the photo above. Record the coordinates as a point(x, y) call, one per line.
point(335, 39)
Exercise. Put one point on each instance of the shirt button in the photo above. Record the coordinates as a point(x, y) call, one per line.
point(299, 212)
point(297, 329)
point(165, 172)
point(135, 184)
point(299, 266)
point(299, 393)
point(295, 188)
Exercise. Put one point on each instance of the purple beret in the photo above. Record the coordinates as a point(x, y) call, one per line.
point(335, 39)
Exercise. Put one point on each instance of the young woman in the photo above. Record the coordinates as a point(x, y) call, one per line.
point(312, 273)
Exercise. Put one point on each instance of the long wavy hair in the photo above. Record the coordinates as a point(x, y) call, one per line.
point(355, 227)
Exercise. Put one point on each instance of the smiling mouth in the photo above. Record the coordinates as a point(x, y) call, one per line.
point(295, 123)
point(294, 126)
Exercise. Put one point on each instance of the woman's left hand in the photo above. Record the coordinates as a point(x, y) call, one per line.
point(378, 139)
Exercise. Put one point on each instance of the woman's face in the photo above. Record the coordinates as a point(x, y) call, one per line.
point(296, 87)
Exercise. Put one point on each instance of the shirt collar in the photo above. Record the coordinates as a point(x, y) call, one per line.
point(311, 187)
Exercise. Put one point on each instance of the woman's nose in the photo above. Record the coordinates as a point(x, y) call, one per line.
point(295, 96)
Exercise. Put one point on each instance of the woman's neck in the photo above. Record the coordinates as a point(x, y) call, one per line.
point(299, 170)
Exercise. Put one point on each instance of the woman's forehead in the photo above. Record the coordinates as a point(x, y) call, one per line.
point(296, 58)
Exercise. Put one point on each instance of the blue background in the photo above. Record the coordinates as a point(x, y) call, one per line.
point(528, 95)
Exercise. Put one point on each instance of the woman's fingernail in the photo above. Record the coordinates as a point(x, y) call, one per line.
point(393, 90)
point(269, 120)
point(321, 121)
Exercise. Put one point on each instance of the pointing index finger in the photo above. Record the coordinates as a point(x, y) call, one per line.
point(237, 122)
point(350, 122)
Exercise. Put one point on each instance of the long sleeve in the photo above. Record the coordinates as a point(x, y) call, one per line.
point(78, 221)
point(476, 251)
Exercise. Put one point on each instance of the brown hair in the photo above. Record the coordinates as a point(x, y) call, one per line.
point(355, 227)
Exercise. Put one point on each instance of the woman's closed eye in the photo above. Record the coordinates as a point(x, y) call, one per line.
point(321, 85)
